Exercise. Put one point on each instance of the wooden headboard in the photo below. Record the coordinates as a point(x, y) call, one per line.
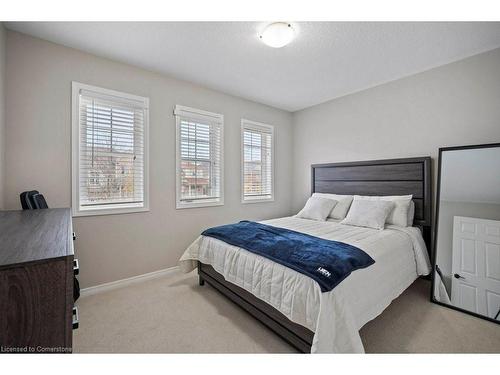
point(381, 177)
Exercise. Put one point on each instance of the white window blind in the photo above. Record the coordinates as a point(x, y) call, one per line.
point(257, 142)
point(111, 151)
point(199, 158)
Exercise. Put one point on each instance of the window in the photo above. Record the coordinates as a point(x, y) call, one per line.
point(109, 150)
point(257, 159)
point(200, 168)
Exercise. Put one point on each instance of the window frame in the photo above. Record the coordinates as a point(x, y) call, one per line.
point(183, 112)
point(258, 126)
point(104, 209)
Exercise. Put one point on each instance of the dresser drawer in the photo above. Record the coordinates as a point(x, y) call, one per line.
point(36, 281)
point(33, 305)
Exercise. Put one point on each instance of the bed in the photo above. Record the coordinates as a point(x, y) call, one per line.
point(292, 304)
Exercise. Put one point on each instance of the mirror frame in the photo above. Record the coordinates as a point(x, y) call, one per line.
point(434, 242)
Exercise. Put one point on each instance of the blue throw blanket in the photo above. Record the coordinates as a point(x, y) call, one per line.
point(327, 262)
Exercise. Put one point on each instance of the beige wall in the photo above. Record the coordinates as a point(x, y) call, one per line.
point(456, 104)
point(39, 76)
point(2, 112)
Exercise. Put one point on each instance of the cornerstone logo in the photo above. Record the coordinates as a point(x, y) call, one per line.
point(34, 349)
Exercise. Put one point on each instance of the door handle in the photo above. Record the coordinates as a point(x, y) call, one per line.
point(457, 276)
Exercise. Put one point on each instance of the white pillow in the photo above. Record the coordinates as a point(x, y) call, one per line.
point(317, 208)
point(411, 213)
point(399, 215)
point(343, 203)
point(368, 213)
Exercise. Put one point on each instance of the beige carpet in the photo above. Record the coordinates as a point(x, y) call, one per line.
point(175, 315)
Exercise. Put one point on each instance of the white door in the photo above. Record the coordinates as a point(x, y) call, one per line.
point(476, 265)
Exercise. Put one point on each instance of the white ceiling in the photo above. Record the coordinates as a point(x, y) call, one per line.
point(325, 61)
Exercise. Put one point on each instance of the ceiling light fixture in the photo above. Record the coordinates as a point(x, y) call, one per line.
point(277, 34)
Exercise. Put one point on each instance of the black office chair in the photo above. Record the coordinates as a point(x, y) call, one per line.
point(33, 200)
point(39, 201)
point(26, 198)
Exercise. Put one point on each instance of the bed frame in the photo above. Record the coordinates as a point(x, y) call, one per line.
point(376, 177)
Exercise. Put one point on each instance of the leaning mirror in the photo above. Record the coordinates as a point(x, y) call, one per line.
point(466, 274)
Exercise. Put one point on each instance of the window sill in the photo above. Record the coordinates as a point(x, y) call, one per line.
point(109, 211)
point(181, 206)
point(257, 200)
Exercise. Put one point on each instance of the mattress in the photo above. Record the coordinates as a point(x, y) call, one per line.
point(335, 317)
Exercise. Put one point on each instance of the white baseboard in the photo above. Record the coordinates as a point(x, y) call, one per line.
point(129, 281)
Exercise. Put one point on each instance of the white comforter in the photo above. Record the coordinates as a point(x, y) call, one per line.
point(335, 317)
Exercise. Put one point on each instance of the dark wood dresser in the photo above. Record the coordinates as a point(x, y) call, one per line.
point(36, 281)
